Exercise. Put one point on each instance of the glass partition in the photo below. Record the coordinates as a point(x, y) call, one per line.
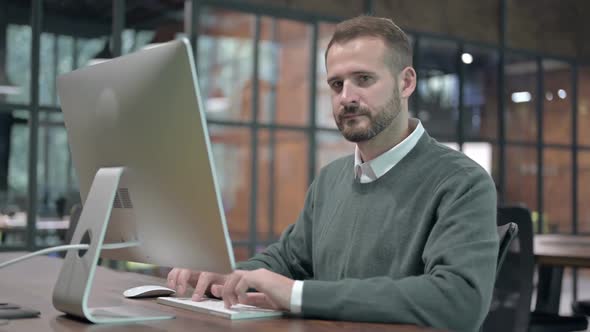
point(233, 153)
point(282, 180)
point(557, 190)
point(557, 102)
point(331, 146)
point(15, 75)
point(438, 87)
point(225, 63)
point(520, 98)
point(283, 76)
point(151, 23)
point(583, 123)
point(14, 178)
point(584, 191)
point(521, 177)
point(323, 102)
point(15, 95)
point(480, 93)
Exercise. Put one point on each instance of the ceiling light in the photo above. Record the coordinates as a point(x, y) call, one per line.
point(467, 58)
point(521, 97)
point(561, 93)
point(549, 95)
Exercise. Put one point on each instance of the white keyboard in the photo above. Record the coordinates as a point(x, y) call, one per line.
point(216, 307)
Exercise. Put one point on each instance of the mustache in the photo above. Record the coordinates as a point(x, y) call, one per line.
point(349, 110)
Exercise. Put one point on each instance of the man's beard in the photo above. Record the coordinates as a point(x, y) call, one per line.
point(382, 119)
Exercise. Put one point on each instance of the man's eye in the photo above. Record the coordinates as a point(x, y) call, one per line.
point(364, 78)
point(336, 85)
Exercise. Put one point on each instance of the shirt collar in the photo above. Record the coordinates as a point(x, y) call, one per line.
point(374, 169)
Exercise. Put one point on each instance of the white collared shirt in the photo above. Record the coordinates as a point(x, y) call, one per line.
point(367, 172)
point(373, 169)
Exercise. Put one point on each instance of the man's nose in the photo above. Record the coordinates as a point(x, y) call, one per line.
point(349, 94)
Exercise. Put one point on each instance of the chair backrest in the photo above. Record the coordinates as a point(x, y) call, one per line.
point(506, 233)
point(511, 303)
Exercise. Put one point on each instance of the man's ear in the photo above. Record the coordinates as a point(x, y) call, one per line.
point(407, 82)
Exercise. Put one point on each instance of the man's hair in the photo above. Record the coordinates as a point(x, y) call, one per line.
point(400, 51)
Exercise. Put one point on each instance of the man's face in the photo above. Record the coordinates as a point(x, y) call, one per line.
point(365, 96)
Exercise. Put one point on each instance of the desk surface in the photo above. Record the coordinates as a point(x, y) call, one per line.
point(562, 250)
point(30, 283)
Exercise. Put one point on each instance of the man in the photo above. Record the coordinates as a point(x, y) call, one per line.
point(402, 231)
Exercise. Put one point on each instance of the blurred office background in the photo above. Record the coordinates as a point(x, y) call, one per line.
point(505, 81)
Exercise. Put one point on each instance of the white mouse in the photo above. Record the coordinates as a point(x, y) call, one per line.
point(148, 291)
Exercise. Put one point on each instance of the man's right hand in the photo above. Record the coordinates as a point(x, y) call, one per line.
point(181, 279)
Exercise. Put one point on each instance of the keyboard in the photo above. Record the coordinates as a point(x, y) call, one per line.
point(216, 307)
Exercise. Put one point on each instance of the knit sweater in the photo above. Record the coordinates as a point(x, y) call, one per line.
point(419, 245)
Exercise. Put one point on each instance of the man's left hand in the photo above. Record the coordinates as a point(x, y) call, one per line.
point(273, 290)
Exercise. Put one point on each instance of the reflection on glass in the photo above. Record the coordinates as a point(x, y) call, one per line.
point(14, 136)
point(225, 63)
point(58, 192)
point(557, 190)
point(56, 173)
point(480, 152)
point(91, 50)
point(161, 21)
point(557, 102)
point(282, 180)
point(16, 75)
point(48, 69)
point(65, 55)
point(331, 146)
point(521, 177)
point(323, 101)
point(584, 105)
point(134, 40)
point(520, 98)
point(583, 191)
point(232, 156)
point(57, 59)
point(480, 93)
point(438, 87)
point(283, 75)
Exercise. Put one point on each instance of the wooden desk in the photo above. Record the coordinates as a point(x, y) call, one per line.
point(553, 252)
point(562, 250)
point(30, 284)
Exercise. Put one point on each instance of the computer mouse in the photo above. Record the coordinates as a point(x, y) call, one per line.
point(148, 291)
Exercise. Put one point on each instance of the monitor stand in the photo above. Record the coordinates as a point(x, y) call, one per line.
point(72, 288)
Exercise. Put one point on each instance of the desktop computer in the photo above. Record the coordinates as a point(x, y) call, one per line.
point(141, 151)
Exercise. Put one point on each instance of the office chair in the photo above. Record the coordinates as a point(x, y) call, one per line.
point(511, 302)
point(509, 310)
point(506, 233)
point(581, 307)
point(549, 322)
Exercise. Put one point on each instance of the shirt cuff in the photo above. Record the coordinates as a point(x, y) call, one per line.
point(296, 297)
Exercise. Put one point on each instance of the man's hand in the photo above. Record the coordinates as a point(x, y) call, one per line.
point(274, 290)
point(181, 279)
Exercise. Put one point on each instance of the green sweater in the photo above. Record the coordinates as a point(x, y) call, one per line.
point(418, 245)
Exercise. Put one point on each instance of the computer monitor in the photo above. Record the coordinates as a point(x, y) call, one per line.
point(140, 147)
